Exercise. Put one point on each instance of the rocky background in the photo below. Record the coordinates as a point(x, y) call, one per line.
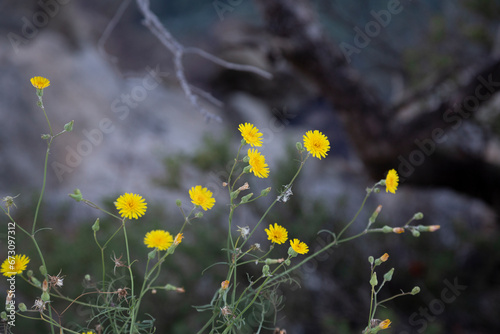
point(135, 131)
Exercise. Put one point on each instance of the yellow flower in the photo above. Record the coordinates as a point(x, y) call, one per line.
point(178, 239)
point(158, 239)
point(258, 163)
point(316, 143)
point(391, 181)
point(384, 324)
point(298, 246)
point(202, 197)
point(251, 134)
point(277, 234)
point(14, 265)
point(88, 332)
point(40, 82)
point(131, 205)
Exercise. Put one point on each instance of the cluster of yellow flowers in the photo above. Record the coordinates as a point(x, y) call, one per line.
point(278, 234)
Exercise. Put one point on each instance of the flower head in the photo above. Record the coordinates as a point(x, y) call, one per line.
point(202, 197)
point(158, 239)
point(131, 206)
point(277, 234)
point(14, 265)
point(384, 324)
point(251, 134)
point(391, 181)
point(316, 143)
point(40, 82)
point(178, 239)
point(258, 163)
point(384, 257)
point(39, 305)
point(298, 246)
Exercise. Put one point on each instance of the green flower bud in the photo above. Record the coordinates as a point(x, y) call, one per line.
point(234, 194)
point(288, 262)
point(415, 290)
point(178, 203)
point(387, 229)
point(376, 190)
point(246, 158)
point(170, 287)
point(198, 214)
point(96, 227)
point(152, 254)
point(29, 273)
point(43, 270)
point(45, 296)
point(87, 277)
point(266, 191)
point(45, 136)
point(76, 195)
point(418, 216)
point(246, 170)
point(388, 275)
point(3, 316)
point(22, 307)
point(373, 280)
point(292, 252)
point(415, 233)
point(36, 281)
point(69, 126)
point(370, 259)
point(265, 271)
point(299, 147)
point(245, 198)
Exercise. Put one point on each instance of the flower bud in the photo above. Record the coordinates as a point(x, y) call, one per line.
point(388, 275)
point(152, 254)
point(224, 285)
point(373, 280)
point(381, 259)
point(45, 136)
point(76, 195)
point(95, 227)
point(45, 296)
point(45, 285)
point(415, 233)
point(198, 214)
point(29, 273)
point(376, 190)
point(178, 203)
point(234, 194)
point(415, 290)
point(384, 324)
point(398, 230)
point(375, 214)
point(266, 271)
point(3, 316)
point(273, 261)
point(246, 170)
point(22, 307)
point(87, 277)
point(299, 147)
point(36, 281)
point(246, 198)
point(69, 126)
point(418, 216)
point(387, 229)
point(246, 158)
point(292, 252)
point(288, 262)
point(266, 191)
point(370, 259)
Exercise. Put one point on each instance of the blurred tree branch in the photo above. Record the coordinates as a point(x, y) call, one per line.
point(379, 132)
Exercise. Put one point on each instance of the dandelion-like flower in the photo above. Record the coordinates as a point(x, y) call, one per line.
point(384, 324)
point(316, 143)
point(178, 239)
point(251, 134)
point(131, 206)
point(202, 196)
point(258, 163)
point(14, 265)
point(391, 181)
point(40, 82)
point(298, 246)
point(88, 333)
point(277, 233)
point(158, 239)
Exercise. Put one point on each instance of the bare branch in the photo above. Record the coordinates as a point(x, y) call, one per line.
point(152, 22)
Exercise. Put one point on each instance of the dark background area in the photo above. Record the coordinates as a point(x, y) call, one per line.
point(406, 97)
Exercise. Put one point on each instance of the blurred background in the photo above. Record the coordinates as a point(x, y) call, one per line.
point(410, 85)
